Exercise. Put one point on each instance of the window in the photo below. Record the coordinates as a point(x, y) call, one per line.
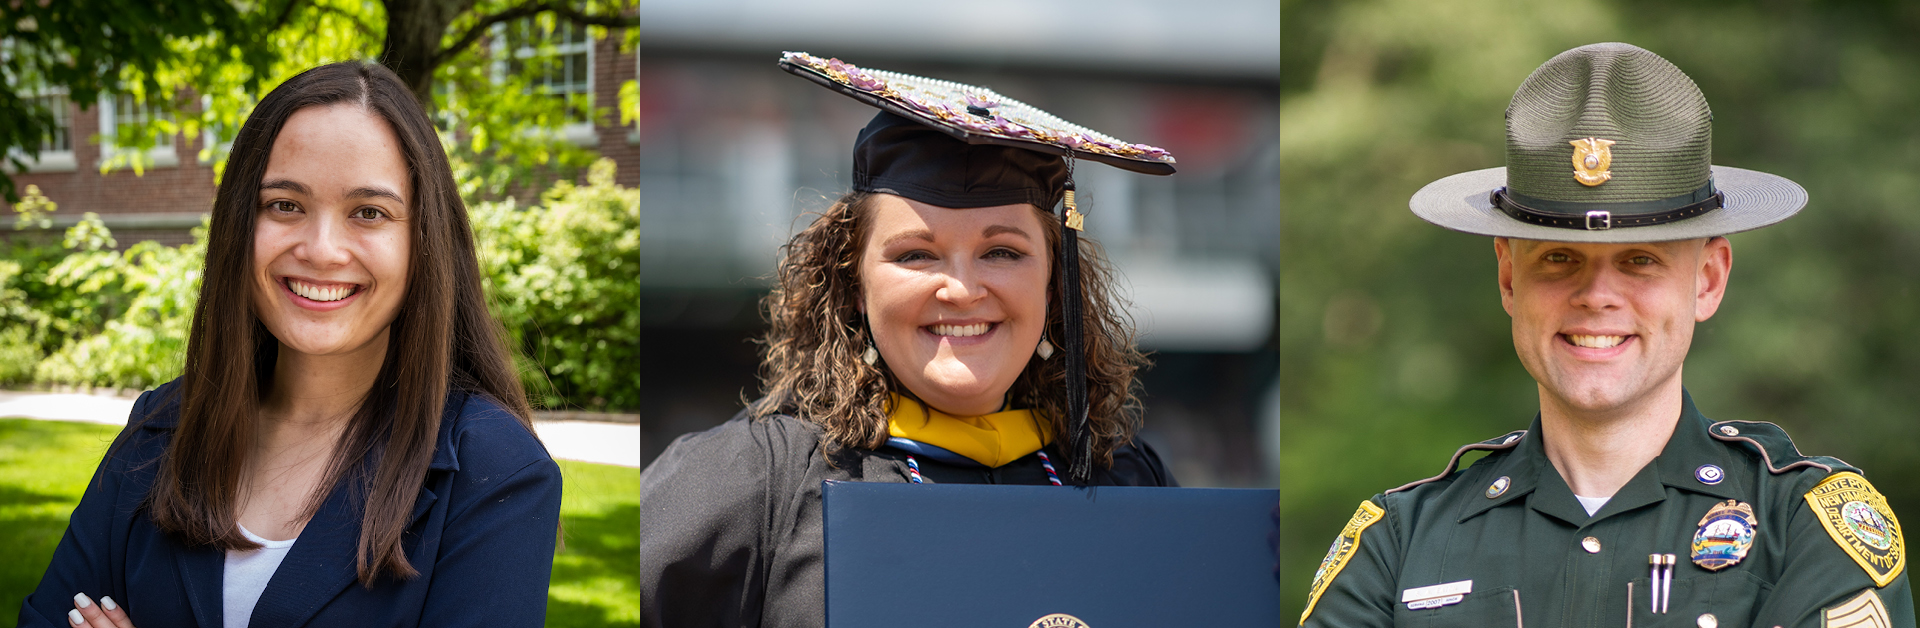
point(128, 112)
point(564, 68)
point(56, 147)
point(557, 62)
point(60, 138)
point(212, 148)
point(118, 114)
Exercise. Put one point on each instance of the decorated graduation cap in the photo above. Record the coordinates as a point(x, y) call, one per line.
point(960, 146)
point(1609, 143)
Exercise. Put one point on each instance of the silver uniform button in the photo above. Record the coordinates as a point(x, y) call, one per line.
point(1707, 621)
point(1591, 544)
point(1729, 430)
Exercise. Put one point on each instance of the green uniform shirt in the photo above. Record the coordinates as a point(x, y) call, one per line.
point(1511, 526)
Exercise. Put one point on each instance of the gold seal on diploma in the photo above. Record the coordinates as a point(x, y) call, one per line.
point(1058, 620)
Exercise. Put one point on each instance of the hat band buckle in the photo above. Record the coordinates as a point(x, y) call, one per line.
point(1606, 220)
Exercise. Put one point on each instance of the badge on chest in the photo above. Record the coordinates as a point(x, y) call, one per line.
point(1725, 535)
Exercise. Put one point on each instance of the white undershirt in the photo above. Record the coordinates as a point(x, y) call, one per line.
point(247, 575)
point(1592, 504)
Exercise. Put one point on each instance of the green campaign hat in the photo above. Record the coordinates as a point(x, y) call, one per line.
point(1609, 143)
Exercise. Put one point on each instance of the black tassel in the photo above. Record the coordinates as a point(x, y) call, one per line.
point(1080, 441)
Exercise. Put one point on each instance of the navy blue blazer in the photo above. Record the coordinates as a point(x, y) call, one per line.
point(482, 537)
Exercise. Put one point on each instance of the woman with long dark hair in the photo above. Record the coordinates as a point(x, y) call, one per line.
point(348, 444)
point(937, 324)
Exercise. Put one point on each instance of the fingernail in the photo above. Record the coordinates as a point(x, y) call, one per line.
point(74, 616)
point(80, 600)
point(107, 603)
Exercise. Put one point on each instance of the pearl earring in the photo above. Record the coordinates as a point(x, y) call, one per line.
point(1044, 349)
point(871, 356)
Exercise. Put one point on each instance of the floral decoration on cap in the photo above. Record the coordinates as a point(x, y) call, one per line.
point(977, 114)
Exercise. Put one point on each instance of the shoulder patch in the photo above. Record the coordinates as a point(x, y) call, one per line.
point(1863, 611)
point(1508, 440)
point(1342, 550)
point(1859, 520)
point(1774, 447)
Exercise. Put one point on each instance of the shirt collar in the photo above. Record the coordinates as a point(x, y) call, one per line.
point(1533, 478)
point(1690, 450)
point(1523, 475)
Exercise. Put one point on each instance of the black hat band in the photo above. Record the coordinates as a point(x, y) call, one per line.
point(1604, 216)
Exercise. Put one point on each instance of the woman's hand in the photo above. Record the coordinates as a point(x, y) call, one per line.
point(106, 614)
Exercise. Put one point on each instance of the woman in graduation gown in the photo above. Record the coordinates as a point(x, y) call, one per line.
point(922, 330)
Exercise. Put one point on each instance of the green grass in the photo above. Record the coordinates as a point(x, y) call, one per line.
point(596, 576)
point(45, 465)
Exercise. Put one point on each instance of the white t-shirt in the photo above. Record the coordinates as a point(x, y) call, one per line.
point(247, 575)
point(1592, 504)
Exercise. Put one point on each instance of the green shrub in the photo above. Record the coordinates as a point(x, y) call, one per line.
point(18, 354)
point(563, 276)
point(19, 347)
point(51, 313)
point(144, 344)
point(39, 315)
point(565, 280)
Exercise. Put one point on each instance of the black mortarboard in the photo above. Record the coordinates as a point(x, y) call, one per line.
point(905, 158)
point(960, 146)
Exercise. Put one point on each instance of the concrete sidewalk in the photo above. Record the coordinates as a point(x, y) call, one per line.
point(585, 441)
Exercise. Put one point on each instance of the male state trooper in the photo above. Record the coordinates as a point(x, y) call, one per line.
point(1622, 505)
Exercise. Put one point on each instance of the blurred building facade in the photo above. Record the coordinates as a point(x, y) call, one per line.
point(165, 201)
point(735, 154)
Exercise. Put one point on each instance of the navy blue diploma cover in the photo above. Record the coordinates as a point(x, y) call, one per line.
point(974, 556)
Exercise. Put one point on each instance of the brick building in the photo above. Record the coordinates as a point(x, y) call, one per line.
point(177, 189)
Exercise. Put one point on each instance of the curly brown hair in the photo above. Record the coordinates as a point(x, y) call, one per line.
point(811, 367)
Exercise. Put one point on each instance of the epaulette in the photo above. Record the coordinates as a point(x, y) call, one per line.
point(1774, 447)
point(1504, 441)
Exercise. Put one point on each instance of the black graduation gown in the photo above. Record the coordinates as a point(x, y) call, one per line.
point(730, 517)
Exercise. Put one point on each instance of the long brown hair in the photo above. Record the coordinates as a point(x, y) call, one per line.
point(443, 330)
point(811, 365)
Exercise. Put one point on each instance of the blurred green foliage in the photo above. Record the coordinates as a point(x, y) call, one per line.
point(561, 277)
point(55, 293)
point(143, 298)
point(86, 48)
point(202, 65)
point(565, 282)
point(1395, 350)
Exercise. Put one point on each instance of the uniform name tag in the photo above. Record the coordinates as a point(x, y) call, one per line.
point(1436, 596)
point(1434, 602)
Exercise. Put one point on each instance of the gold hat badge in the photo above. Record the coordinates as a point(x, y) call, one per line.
point(1591, 158)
